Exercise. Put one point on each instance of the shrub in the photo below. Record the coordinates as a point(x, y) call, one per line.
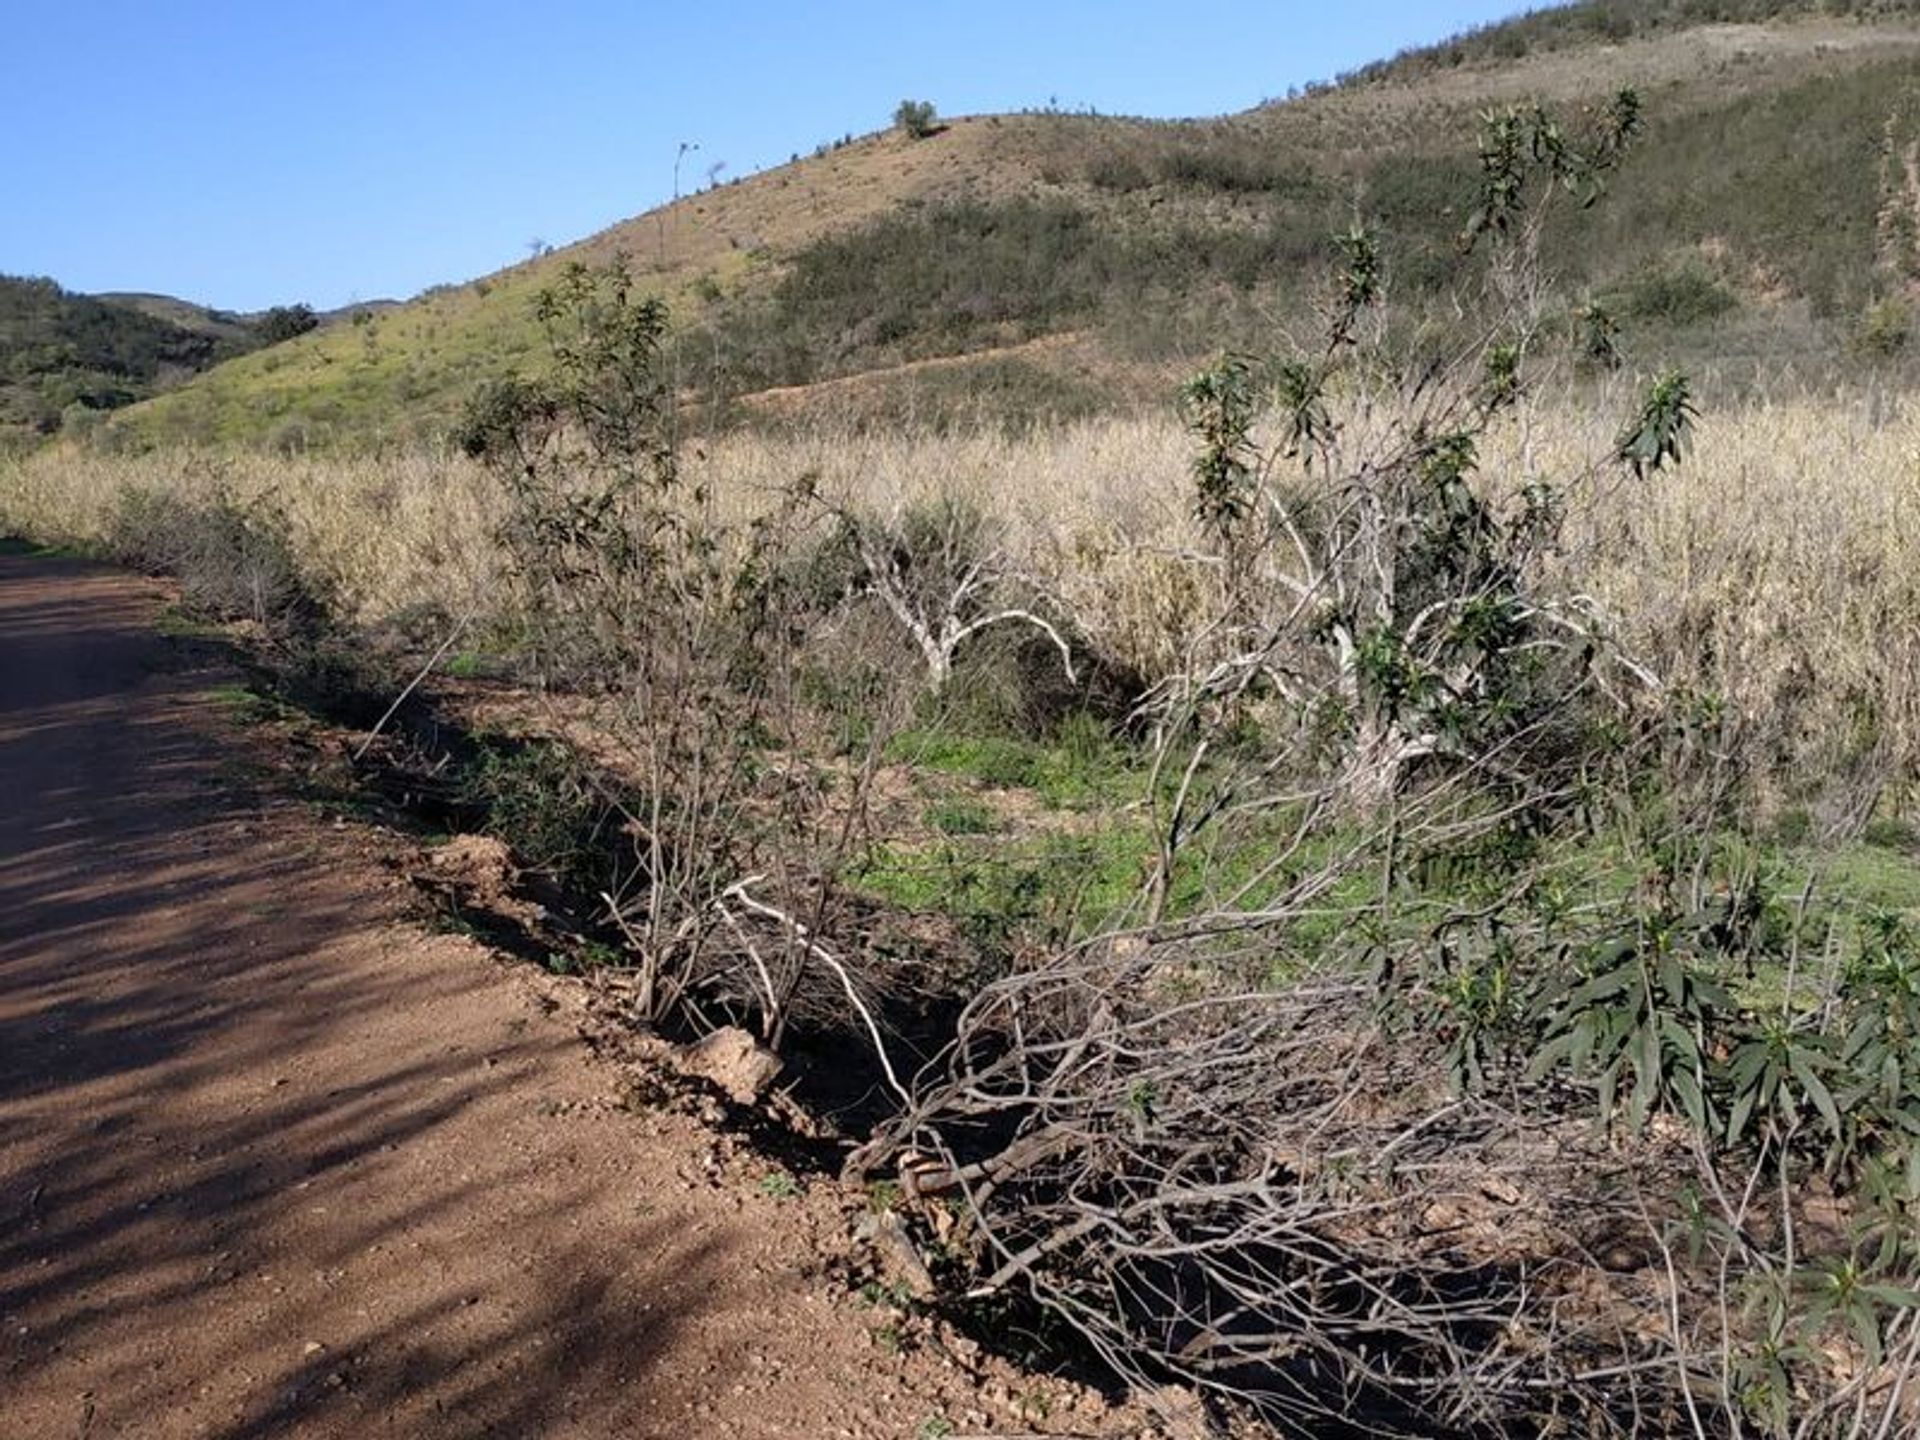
point(234, 559)
point(1676, 296)
point(916, 117)
point(684, 631)
point(287, 322)
point(1885, 330)
point(540, 799)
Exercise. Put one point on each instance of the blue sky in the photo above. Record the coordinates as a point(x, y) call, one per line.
point(250, 152)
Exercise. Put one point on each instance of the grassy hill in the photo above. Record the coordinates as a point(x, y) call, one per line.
point(62, 353)
point(67, 360)
point(1051, 263)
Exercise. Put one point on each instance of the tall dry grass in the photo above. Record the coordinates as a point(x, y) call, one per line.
point(1779, 567)
point(390, 535)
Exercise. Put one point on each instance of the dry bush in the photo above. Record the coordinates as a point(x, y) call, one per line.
point(234, 561)
point(678, 629)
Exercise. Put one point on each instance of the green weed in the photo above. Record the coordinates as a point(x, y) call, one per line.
point(962, 816)
point(779, 1185)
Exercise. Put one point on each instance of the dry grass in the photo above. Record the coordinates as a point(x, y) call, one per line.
point(390, 534)
point(1779, 568)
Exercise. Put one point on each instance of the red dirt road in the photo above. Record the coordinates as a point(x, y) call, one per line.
point(275, 1162)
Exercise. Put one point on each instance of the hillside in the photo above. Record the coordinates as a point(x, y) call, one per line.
point(61, 352)
point(67, 359)
point(224, 325)
point(1052, 263)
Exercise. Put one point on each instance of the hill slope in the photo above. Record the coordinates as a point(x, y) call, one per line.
point(60, 351)
point(66, 359)
point(1775, 200)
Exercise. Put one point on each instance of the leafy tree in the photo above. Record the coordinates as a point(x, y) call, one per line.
point(285, 322)
point(916, 117)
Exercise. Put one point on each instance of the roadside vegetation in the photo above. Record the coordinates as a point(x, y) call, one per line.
point(1385, 891)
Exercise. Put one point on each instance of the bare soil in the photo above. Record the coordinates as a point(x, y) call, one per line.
point(275, 1160)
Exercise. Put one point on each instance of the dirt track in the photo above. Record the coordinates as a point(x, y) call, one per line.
point(276, 1162)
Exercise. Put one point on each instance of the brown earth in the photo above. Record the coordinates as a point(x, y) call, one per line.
point(276, 1161)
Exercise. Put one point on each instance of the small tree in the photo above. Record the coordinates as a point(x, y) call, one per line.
point(679, 629)
point(916, 117)
point(285, 322)
point(1215, 1135)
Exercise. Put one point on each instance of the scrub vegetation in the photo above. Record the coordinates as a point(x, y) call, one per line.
point(1383, 888)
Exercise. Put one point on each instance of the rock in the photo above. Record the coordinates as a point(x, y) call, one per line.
point(475, 858)
point(898, 1256)
point(733, 1060)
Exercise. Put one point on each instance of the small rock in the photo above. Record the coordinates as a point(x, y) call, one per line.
point(733, 1060)
point(898, 1255)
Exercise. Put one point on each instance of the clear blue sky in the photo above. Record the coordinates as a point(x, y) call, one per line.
point(249, 152)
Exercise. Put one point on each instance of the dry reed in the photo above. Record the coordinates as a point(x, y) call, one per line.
point(1778, 568)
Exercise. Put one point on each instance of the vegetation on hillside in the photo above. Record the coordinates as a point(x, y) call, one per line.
point(66, 359)
point(1760, 231)
point(60, 351)
point(1774, 200)
point(1560, 27)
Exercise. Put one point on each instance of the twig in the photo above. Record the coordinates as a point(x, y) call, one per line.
point(819, 952)
point(414, 684)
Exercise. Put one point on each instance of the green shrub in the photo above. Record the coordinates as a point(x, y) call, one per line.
point(1677, 296)
point(1885, 330)
point(540, 800)
point(916, 117)
point(287, 322)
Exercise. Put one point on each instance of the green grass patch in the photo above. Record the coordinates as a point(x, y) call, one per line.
point(474, 665)
point(1078, 769)
point(1856, 877)
point(962, 815)
point(178, 624)
point(1049, 887)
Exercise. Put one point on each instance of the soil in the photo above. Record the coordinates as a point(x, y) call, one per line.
point(277, 1160)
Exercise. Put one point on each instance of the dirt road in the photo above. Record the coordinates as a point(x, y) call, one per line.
point(274, 1161)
